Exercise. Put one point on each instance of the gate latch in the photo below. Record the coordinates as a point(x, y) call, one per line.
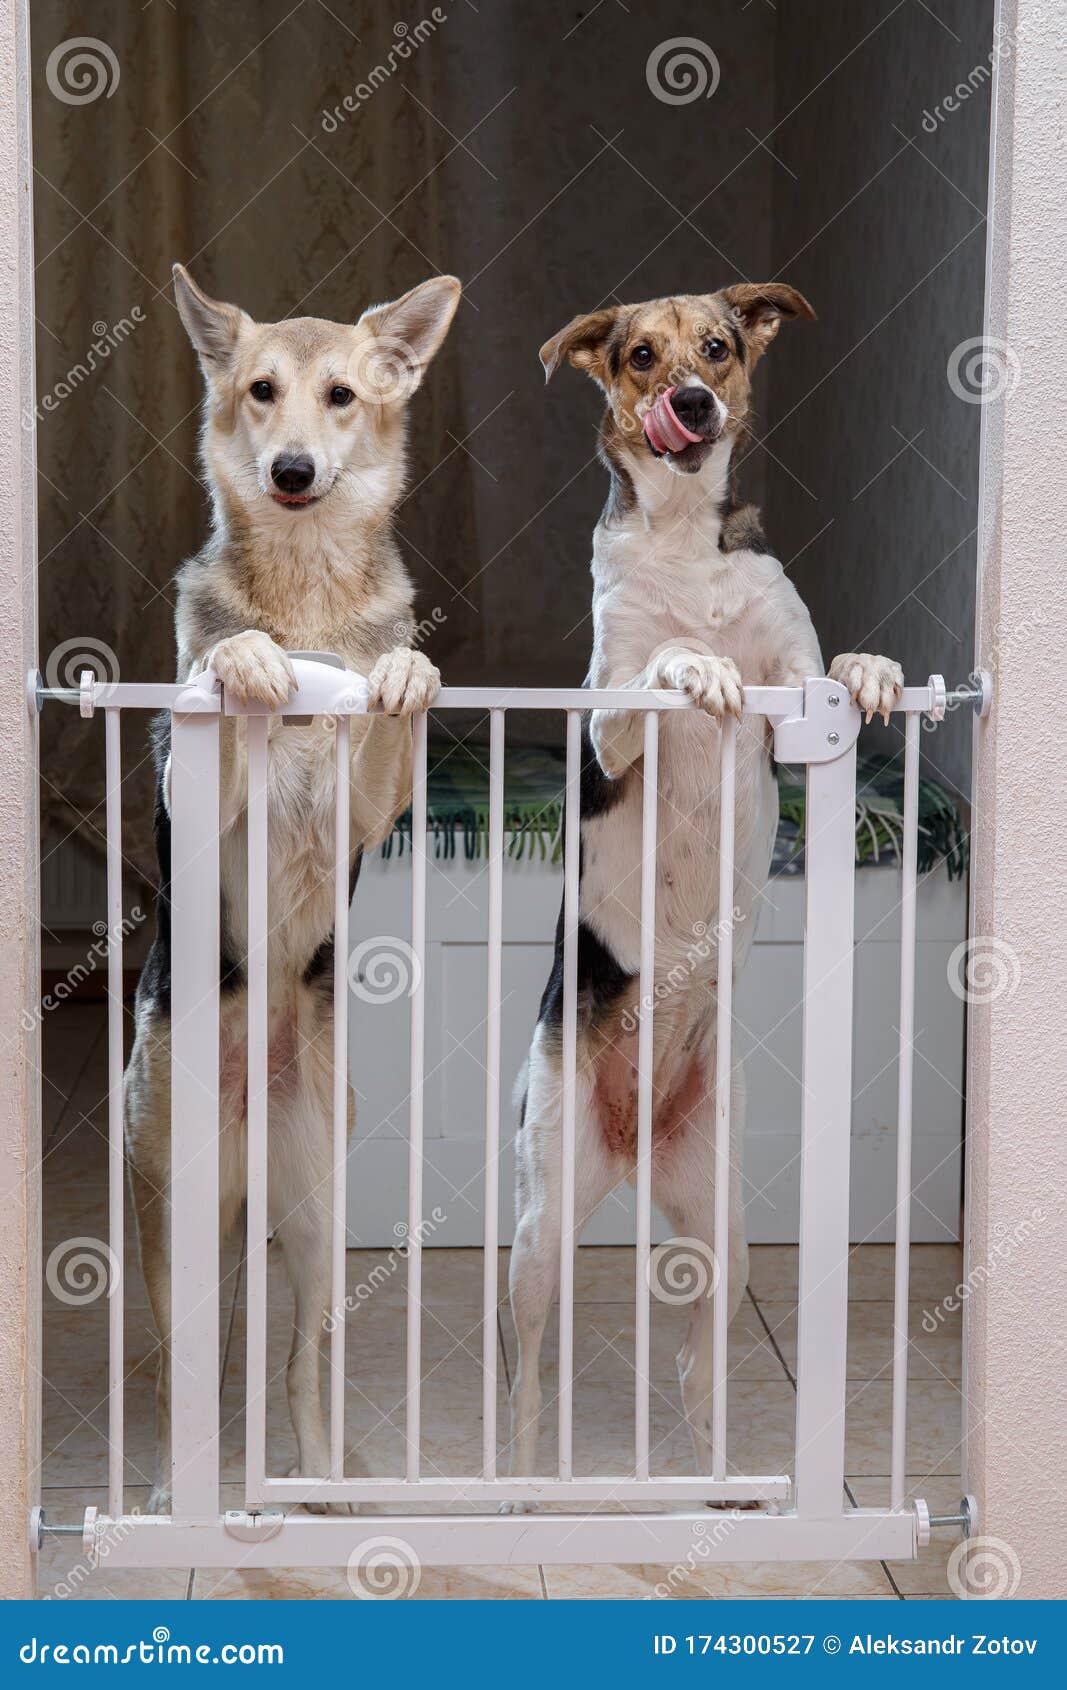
point(828, 727)
point(251, 1526)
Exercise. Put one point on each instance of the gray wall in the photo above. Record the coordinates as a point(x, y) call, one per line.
point(571, 224)
point(884, 230)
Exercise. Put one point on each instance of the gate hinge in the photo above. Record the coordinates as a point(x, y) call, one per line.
point(248, 1525)
point(828, 727)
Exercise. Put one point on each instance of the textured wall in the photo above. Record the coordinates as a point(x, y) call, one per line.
point(883, 229)
point(1016, 1328)
point(19, 965)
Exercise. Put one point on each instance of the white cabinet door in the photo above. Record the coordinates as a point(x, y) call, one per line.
point(767, 1035)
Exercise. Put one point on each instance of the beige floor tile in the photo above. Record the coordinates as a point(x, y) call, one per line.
point(935, 1271)
point(433, 1584)
point(934, 1427)
point(604, 1344)
point(935, 1354)
point(64, 1572)
point(926, 1575)
point(730, 1579)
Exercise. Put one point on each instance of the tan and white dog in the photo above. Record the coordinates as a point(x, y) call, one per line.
point(686, 595)
point(303, 447)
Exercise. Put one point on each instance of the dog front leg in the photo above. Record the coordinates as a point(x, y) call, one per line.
point(874, 683)
point(713, 683)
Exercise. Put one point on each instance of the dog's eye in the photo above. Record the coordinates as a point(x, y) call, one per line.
point(341, 396)
point(716, 350)
point(641, 357)
point(263, 391)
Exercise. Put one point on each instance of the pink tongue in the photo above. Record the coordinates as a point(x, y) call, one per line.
point(664, 431)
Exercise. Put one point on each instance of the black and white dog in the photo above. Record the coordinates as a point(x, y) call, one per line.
point(686, 595)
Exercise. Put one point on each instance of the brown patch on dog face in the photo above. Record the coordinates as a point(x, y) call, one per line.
point(637, 352)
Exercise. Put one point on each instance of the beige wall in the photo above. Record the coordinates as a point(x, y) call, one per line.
point(19, 968)
point(1016, 1389)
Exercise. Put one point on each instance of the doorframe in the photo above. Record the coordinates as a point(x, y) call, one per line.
point(1015, 1324)
point(20, 969)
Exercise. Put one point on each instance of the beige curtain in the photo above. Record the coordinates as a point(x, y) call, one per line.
point(211, 148)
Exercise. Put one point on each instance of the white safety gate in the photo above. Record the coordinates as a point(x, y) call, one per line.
point(816, 725)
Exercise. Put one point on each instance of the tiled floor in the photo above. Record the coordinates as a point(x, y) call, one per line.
point(762, 1391)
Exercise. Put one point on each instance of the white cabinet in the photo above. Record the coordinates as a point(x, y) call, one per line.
point(767, 1029)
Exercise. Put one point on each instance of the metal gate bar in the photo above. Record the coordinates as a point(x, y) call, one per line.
point(413, 1432)
point(902, 1229)
point(646, 1003)
point(194, 1090)
point(571, 849)
point(116, 1150)
point(491, 1190)
point(809, 726)
point(724, 989)
point(256, 730)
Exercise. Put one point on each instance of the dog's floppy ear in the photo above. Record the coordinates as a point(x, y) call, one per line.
point(416, 323)
point(759, 308)
point(582, 343)
point(212, 326)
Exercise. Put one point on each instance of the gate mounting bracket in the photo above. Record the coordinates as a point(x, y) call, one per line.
point(828, 727)
point(250, 1526)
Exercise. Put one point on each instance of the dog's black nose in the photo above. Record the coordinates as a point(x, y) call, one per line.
point(694, 407)
point(292, 473)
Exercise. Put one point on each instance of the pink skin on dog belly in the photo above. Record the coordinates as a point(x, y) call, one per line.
point(616, 1103)
point(661, 425)
point(282, 1069)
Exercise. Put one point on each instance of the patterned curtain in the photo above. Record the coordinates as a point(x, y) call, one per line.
point(285, 154)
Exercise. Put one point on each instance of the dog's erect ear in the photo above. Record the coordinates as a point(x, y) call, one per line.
point(212, 326)
point(583, 343)
point(417, 322)
point(759, 308)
